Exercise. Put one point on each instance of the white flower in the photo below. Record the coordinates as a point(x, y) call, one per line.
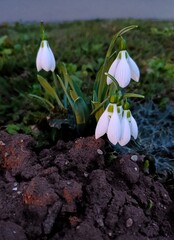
point(118, 124)
point(123, 69)
point(45, 59)
point(125, 130)
point(109, 123)
point(114, 128)
point(128, 128)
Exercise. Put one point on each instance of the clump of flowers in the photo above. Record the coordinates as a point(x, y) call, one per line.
point(118, 123)
point(109, 104)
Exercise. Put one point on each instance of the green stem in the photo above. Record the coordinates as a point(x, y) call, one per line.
point(101, 104)
point(65, 91)
point(56, 89)
point(67, 78)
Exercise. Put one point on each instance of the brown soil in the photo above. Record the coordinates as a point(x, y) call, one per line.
point(71, 192)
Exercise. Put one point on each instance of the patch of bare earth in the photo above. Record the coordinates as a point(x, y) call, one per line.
point(69, 192)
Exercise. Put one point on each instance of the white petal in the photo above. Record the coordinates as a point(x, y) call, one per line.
point(47, 58)
point(114, 128)
point(112, 70)
point(120, 112)
point(133, 127)
point(102, 125)
point(39, 59)
point(125, 130)
point(135, 72)
point(53, 62)
point(123, 73)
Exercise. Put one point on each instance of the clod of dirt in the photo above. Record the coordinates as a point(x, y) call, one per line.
point(71, 192)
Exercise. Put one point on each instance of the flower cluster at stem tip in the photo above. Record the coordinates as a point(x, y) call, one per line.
point(118, 124)
point(116, 120)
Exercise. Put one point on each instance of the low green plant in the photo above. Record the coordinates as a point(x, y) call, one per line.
point(108, 89)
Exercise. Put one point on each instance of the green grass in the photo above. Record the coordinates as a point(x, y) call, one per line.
point(82, 46)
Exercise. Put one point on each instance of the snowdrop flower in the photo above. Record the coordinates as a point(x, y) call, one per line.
point(123, 69)
point(45, 59)
point(109, 123)
point(128, 128)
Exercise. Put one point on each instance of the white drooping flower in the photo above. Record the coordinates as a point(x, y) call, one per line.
point(128, 128)
point(118, 124)
point(45, 59)
point(123, 69)
point(109, 123)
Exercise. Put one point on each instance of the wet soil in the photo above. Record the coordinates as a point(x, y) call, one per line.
point(74, 191)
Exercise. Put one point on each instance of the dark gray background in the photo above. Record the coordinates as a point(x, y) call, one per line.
point(68, 10)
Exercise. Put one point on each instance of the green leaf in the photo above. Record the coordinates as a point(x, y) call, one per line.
point(81, 111)
point(128, 95)
point(43, 101)
point(49, 89)
point(6, 51)
point(74, 86)
point(98, 108)
point(12, 128)
point(100, 85)
point(2, 39)
point(73, 95)
point(113, 80)
point(57, 123)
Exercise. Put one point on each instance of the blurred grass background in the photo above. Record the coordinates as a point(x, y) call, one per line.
point(82, 46)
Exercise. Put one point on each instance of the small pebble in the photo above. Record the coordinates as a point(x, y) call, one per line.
point(86, 174)
point(6, 154)
point(15, 189)
point(2, 143)
point(15, 184)
point(129, 222)
point(99, 151)
point(134, 158)
point(68, 182)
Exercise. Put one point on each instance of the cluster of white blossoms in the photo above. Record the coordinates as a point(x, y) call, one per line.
point(118, 124)
point(123, 69)
point(45, 58)
point(116, 121)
